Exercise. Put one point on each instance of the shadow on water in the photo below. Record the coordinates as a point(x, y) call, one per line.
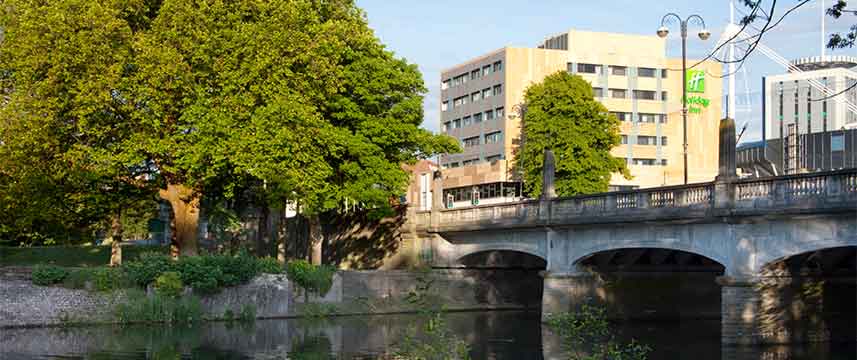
point(491, 335)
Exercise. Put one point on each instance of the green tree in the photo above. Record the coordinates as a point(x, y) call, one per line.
point(561, 114)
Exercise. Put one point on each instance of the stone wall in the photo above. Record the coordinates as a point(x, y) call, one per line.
point(23, 304)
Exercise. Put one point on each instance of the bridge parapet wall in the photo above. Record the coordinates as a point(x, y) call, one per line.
point(834, 191)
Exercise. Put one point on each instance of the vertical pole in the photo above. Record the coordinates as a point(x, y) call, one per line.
point(684, 91)
point(823, 47)
point(730, 104)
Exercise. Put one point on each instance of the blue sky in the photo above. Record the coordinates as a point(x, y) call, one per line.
point(437, 34)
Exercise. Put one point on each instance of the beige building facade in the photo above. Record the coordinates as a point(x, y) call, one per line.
point(630, 74)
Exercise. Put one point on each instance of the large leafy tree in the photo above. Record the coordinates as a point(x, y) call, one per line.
point(561, 114)
point(206, 97)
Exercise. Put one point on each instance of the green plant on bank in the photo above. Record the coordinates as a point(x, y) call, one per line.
point(318, 310)
point(586, 335)
point(247, 313)
point(316, 279)
point(269, 265)
point(140, 308)
point(48, 275)
point(147, 267)
point(169, 284)
point(431, 341)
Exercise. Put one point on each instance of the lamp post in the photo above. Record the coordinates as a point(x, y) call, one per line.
point(703, 35)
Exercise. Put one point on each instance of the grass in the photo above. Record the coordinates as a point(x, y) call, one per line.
point(69, 256)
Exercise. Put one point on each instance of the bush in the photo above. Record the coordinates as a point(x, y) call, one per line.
point(48, 275)
point(586, 334)
point(269, 265)
point(77, 279)
point(247, 313)
point(158, 308)
point(108, 279)
point(143, 270)
point(169, 284)
point(311, 278)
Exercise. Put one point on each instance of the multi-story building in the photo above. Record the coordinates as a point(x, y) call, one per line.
point(630, 74)
point(805, 128)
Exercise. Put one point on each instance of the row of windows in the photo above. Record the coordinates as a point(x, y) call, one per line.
point(646, 140)
point(497, 66)
point(647, 162)
point(482, 191)
point(623, 94)
point(476, 118)
point(616, 70)
point(642, 117)
point(490, 138)
point(497, 90)
point(474, 161)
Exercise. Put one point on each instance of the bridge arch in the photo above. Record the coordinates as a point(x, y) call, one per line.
point(649, 259)
point(775, 254)
point(502, 258)
point(704, 250)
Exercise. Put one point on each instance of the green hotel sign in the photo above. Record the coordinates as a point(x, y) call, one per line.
point(695, 83)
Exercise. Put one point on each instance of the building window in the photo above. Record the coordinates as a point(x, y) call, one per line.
point(664, 73)
point(486, 93)
point(444, 106)
point(446, 126)
point(474, 97)
point(486, 70)
point(470, 162)
point(477, 118)
point(475, 74)
point(837, 142)
point(456, 124)
point(663, 140)
point(598, 92)
point(618, 70)
point(647, 72)
point(463, 78)
point(498, 66)
point(648, 118)
point(489, 115)
point(588, 68)
point(456, 102)
point(499, 113)
point(470, 142)
point(662, 118)
point(646, 140)
point(663, 162)
point(465, 121)
point(618, 93)
point(453, 165)
point(494, 158)
point(621, 116)
point(647, 162)
point(494, 137)
point(644, 94)
point(624, 139)
point(498, 90)
point(663, 96)
point(444, 85)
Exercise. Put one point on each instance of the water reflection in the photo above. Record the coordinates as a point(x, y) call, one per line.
point(491, 335)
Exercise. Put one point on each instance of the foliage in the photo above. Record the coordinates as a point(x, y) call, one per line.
point(48, 275)
point(169, 284)
point(317, 310)
point(69, 256)
point(158, 308)
point(433, 341)
point(585, 335)
point(316, 279)
point(562, 115)
point(208, 96)
point(146, 268)
point(108, 279)
point(836, 10)
point(269, 265)
point(247, 313)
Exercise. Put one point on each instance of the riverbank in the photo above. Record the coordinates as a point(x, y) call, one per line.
point(23, 304)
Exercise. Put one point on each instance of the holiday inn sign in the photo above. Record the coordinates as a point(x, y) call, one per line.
point(695, 81)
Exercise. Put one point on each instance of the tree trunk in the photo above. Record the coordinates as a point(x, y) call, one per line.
point(316, 238)
point(186, 217)
point(263, 233)
point(282, 234)
point(115, 246)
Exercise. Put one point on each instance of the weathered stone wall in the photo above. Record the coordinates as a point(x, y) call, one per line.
point(273, 296)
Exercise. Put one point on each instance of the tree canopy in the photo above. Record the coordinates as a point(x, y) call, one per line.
point(561, 114)
point(201, 97)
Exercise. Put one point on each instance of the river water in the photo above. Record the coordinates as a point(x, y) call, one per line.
point(491, 335)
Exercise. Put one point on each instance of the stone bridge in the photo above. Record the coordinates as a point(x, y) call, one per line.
point(765, 241)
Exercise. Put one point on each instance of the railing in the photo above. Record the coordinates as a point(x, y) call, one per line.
point(801, 191)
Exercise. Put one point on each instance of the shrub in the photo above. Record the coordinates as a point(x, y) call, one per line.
point(143, 270)
point(269, 265)
point(158, 308)
point(48, 274)
point(200, 273)
point(169, 284)
point(311, 278)
point(77, 279)
point(247, 313)
point(586, 334)
point(107, 279)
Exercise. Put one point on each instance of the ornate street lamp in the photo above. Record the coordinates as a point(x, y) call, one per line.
point(704, 34)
